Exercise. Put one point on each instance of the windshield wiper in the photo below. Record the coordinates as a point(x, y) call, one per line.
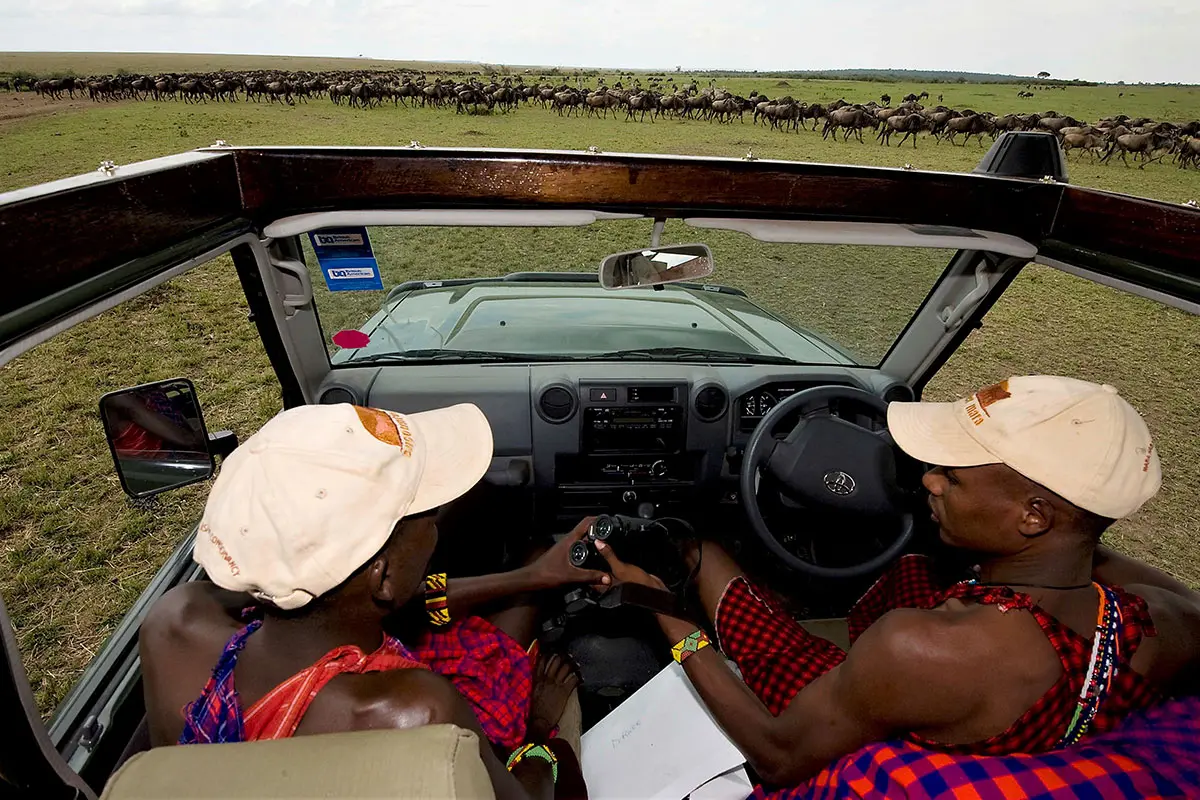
point(688, 354)
point(437, 354)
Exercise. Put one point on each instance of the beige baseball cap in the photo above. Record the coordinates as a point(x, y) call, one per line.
point(1080, 440)
point(317, 491)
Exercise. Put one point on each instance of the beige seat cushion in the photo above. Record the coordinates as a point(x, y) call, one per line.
point(435, 761)
point(834, 630)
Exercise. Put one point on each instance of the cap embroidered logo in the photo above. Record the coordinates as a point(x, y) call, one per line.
point(387, 427)
point(989, 395)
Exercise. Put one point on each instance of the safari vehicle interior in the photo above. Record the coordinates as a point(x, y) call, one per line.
point(652, 391)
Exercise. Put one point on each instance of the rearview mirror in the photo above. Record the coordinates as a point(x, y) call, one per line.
point(681, 262)
point(157, 436)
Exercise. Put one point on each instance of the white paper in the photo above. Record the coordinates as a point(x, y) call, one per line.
point(733, 785)
point(660, 744)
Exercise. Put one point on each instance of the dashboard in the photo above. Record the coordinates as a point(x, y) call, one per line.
point(754, 405)
point(588, 438)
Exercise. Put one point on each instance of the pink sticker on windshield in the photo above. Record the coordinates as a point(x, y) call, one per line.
point(351, 340)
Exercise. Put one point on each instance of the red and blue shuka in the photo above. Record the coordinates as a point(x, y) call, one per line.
point(1098, 690)
point(486, 665)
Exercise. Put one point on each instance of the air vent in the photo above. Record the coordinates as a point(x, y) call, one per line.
point(557, 404)
point(898, 394)
point(711, 402)
point(337, 394)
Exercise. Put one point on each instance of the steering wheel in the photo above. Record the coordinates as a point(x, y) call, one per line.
point(831, 463)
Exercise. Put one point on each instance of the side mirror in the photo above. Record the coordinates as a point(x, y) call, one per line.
point(681, 262)
point(157, 436)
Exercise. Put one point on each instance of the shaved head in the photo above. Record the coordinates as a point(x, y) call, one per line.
point(995, 509)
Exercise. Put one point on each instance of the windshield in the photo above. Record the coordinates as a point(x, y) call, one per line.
point(445, 296)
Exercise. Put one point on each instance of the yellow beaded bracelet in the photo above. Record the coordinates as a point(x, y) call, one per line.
point(436, 604)
point(692, 643)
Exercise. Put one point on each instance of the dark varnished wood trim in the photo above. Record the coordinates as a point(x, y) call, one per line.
point(61, 241)
point(282, 182)
point(79, 229)
point(1145, 242)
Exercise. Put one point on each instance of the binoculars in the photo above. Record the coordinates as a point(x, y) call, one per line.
point(610, 529)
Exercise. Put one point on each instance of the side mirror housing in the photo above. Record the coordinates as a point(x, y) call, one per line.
point(157, 437)
point(656, 266)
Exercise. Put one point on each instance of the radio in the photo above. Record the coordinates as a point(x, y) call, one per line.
point(626, 429)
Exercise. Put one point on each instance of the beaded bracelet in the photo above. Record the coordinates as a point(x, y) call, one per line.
point(436, 604)
point(692, 643)
point(534, 751)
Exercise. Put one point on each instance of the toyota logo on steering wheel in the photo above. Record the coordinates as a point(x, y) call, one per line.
point(839, 483)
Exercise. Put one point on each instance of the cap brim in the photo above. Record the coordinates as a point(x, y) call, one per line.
point(458, 451)
point(933, 433)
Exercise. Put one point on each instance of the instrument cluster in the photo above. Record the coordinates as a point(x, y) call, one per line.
point(755, 404)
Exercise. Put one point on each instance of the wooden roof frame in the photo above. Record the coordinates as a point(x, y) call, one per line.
point(73, 242)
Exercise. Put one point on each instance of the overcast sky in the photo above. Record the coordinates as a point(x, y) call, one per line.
point(1105, 40)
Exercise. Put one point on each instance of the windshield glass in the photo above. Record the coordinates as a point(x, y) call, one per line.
point(769, 302)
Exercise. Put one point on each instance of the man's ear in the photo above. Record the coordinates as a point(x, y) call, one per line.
point(1037, 517)
point(379, 579)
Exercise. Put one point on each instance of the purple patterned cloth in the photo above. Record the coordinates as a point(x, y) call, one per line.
point(1152, 754)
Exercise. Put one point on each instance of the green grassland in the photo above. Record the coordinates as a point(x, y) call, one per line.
point(74, 552)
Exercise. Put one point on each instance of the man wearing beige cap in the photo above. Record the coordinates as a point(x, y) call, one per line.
point(1050, 639)
point(323, 524)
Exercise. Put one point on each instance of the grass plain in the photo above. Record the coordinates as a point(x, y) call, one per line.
point(75, 552)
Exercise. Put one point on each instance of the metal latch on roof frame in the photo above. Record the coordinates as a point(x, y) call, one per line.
point(952, 317)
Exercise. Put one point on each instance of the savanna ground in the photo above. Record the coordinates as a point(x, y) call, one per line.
point(75, 552)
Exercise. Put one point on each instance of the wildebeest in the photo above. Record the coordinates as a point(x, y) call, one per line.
point(850, 119)
point(1088, 142)
point(724, 109)
point(1189, 153)
point(1054, 124)
point(908, 124)
point(601, 102)
point(1144, 144)
point(971, 125)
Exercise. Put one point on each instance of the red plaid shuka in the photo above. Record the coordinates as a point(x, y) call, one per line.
point(487, 667)
point(1152, 755)
point(778, 658)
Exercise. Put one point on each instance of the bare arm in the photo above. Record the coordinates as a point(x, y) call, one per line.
point(1172, 658)
point(1109, 566)
point(550, 570)
point(910, 671)
point(196, 611)
point(875, 694)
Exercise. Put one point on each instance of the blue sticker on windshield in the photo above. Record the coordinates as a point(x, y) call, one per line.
point(347, 260)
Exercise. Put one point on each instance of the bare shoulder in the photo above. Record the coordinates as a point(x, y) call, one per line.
point(194, 609)
point(408, 698)
point(930, 637)
point(1172, 657)
point(924, 668)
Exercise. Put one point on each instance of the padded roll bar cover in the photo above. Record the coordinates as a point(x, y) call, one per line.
point(431, 761)
point(1025, 154)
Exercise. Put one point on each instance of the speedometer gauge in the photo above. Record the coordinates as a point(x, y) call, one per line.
point(758, 404)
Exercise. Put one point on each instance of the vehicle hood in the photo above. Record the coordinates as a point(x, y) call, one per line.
point(578, 319)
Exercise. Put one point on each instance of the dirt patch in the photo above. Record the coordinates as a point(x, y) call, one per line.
point(472, 133)
point(16, 106)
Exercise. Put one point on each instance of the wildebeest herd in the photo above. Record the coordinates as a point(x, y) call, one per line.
point(1145, 139)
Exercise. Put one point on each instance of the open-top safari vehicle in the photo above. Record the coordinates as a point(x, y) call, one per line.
point(656, 391)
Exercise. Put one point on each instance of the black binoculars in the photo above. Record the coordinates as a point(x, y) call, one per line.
point(610, 529)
